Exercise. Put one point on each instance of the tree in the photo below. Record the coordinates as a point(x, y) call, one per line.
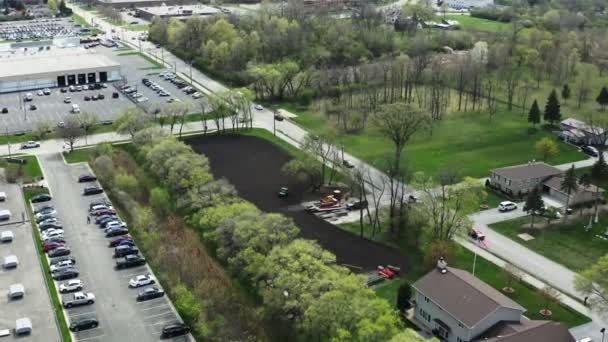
point(569, 185)
point(404, 294)
point(552, 109)
point(534, 204)
point(42, 129)
point(131, 121)
point(534, 114)
point(87, 122)
point(602, 98)
point(71, 132)
point(566, 93)
point(593, 282)
point(546, 148)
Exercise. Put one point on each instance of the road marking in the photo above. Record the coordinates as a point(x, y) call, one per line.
point(92, 337)
point(81, 314)
point(157, 315)
point(153, 307)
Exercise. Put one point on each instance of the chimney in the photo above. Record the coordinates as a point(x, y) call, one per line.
point(442, 265)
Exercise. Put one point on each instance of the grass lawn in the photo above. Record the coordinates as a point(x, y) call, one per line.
point(138, 27)
point(32, 168)
point(55, 300)
point(468, 142)
point(478, 24)
point(565, 243)
point(78, 156)
point(524, 294)
point(156, 65)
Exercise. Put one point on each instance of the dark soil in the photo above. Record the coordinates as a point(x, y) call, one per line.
point(253, 166)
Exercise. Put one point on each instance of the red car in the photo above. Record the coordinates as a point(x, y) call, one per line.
point(385, 272)
point(103, 212)
point(49, 246)
point(118, 240)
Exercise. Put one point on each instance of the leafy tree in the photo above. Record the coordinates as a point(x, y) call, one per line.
point(42, 129)
point(546, 148)
point(71, 132)
point(87, 122)
point(534, 114)
point(569, 185)
point(552, 109)
point(593, 282)
point(602, 98)
point(186, 303)
point(160, 199)
point(566, 93)
point(127, 183)
point(534, 204)
point(409, 335)
point(404, 294)
point(131, 121)
point(163, 151)
point(210, 218)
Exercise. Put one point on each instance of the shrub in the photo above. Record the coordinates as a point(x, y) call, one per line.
point(127, 183)
point(160, 199)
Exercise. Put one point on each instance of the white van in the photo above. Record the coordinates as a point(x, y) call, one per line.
point(75, 108)
point(6, 236)
point(23, 326)
point(29, 97)
point(16, 291)
point(2, 196)
point(5, 214)
point(10, 261)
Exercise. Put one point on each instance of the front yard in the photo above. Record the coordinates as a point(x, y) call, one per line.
point(564, 242)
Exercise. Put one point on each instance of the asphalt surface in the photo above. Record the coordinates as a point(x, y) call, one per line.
point(253, 166)
point(36, 304)
point(120, 317)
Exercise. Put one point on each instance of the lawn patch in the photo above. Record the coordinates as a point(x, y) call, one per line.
point(78, 156)
point(478, 24)
point(156, 64)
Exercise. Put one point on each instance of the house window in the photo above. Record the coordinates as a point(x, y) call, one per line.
point(460, 325)
point(426, 299)
point(509, 182)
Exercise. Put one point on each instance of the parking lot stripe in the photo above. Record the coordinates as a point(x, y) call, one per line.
point(158, 315)
point(92, 337)
point(82, 314)
point(153, 307)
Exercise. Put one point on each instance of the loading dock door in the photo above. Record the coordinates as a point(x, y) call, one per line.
point(103, 76)
point(91, 77)
point(71, 79)
point(82, 78)
point(61, 81)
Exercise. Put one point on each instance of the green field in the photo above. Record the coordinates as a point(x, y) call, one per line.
point(471, 23)
point(566, 243)
point(138, 27)
point(468, 142)
point(78, 156)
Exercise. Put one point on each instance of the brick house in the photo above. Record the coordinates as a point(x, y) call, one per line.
point(520, 179)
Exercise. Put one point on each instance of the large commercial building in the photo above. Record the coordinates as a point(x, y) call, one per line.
point(468, 4)
point(26, 69)
point(130, 4)
point(181, 12)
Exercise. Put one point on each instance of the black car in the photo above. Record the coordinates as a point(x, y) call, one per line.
point(59, 251)
point(105, 219)
point(124, 250)
point(115, 95)
point(150, 293)
point(43, 208)
point(4, 110)
point(50, 225)
point(590, 150)
point(84, 324)
point(87, 98)
point(41, 198)
point(64, 90)
point(174, 330)
point(64, 258)
point(92, 190)
point(101, 96)
point(117, 232)
point(66, 274)
point(357, 205)
point(130, 261)
point(33, 107)
point(86, 178)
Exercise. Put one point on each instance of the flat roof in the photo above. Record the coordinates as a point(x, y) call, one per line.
point(178, 10)
point(19, 64)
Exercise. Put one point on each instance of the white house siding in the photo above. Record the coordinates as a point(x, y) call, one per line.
point(427, 311)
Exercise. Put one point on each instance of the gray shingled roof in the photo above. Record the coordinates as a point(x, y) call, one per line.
point(462, 295)
point(528, 171)
point(530, 331)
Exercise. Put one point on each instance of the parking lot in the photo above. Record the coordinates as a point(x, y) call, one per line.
point(38, 29)
point(120, 317)
point(35, 304)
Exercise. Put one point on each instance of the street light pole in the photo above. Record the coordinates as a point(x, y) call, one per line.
point(603, 331)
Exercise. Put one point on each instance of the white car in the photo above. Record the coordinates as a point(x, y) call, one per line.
point(259, 107)
point(506, 206)
point(67, 99)
point(116, 224)
point(141, 280)
point(46, 91)
point(51, 233)
point(62, 265)
point(197, 95)
point(45, 213)
point(30, 144)
point(71, 286)
point(40, 93)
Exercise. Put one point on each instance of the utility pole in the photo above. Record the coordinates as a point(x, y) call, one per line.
point(9, 143)
point(274, 122)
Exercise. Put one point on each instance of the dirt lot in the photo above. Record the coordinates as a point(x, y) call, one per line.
point(253, 165)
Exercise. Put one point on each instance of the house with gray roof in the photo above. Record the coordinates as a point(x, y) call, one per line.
point(458, 307)
point(520, 179)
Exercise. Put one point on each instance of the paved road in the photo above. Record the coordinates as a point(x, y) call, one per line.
point(121, 318)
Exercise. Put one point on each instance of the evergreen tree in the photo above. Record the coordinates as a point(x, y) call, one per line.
point(598, 175)
point(534, 114)
point(569, 185)
point(552, 109)
point(565, 93)
point(404, 294)
point(534, 204)
point(602, 98)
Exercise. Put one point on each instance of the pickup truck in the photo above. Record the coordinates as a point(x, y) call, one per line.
point(130, 261)
point(79, 298)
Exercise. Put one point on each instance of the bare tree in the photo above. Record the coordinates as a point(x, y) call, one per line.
point(87, 122)
point(71, 132)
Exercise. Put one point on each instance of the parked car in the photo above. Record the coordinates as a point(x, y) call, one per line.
point(33, 107)
point(117, 232)
point(358, 205)
point(78, 299)
point(104, 219)
point(67, 99)
point(506, 206)
point(60, 266)
point(150, 293)
point(103, 212)
point(259, 107)
point(590, 150)
point(63, 258)
point(71, 286)
point(59, 239)
point(50, 245)
point(141, 280)
point(124, 250)
point(114, 224)
point(174, 330)
point(46, 217)
point(69, 273)
point(130, 261)
point(47, 211)
point(30, 144)
point(118, 240)
point(84, 324)
point(43, 208)
point(92, 190)
point(59, 251)
point(4, 110)
point(86, 178)
point(41, 198)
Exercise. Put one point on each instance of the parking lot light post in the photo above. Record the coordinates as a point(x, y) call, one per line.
point(603, 331)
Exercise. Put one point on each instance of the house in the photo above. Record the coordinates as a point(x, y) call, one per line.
point(578, 132)
point(520, 179)
point(553, 187)
point(457, 307)
point(461, 4)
